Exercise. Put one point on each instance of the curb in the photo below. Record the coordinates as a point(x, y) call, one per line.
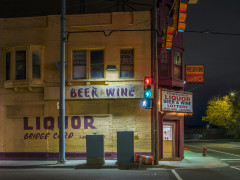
point(135, 167)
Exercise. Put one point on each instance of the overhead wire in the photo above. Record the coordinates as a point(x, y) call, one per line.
point(211, 32)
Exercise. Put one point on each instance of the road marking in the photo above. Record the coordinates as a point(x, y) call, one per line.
point(217, 151)
point(176, 175)
point(233, 147)
point(235, 168)
point(229, 147)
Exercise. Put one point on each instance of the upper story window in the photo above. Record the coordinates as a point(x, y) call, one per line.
point(8, 65)
point(97, 64)
point(36, 64)
point(23, 63)
point(87, 64)
point(20, 62)
point(79, 64)
point(127, 63)
point(164, 63)
point(177, 65)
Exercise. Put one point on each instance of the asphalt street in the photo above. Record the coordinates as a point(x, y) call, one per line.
point(221, 163)
point(83, 174)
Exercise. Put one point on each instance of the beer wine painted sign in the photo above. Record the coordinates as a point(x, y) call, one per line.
point(102, 92)
point(96, 92)
point(173, 101)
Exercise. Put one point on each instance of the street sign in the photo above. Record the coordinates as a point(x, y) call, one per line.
point(194, 74)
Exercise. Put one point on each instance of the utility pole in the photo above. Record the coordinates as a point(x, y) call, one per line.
point(62, 87)
point(155, 77)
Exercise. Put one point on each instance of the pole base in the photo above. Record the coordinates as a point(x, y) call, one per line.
point(61, 162)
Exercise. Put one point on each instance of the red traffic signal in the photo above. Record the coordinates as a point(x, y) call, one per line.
point(147, 81)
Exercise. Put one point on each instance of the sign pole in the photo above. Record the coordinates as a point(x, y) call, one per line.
point(62, 87)
point(155, 76)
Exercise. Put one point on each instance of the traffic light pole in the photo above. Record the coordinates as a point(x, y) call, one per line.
point(155, 77)
point(62, 87)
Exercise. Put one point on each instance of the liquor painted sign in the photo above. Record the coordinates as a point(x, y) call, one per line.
point(41, 133)
point(96, 92)
point(174, 101)
point(195, 73)
point(47, 127)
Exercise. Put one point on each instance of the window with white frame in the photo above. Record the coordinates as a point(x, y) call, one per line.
point(22, 63)
point(127, 63)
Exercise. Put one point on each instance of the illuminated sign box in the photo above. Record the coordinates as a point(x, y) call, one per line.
point(194, 74)
point(174, 101)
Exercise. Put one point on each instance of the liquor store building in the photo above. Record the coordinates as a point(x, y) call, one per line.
point(104, 84)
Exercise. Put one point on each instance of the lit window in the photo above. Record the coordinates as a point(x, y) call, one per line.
point(79, 64)
point(126, 63)
point(20, 65)
point(97, 64)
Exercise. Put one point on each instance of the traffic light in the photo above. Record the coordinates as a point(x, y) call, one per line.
point(148, 94)
point(147, 87)
point(182, 17)
point(168, 37)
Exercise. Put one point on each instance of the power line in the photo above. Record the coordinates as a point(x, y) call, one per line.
point(212, 32)
point(109, 32)
point(118, 28)
point(117, 4)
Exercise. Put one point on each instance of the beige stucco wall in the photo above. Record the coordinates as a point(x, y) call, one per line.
point(19, 99)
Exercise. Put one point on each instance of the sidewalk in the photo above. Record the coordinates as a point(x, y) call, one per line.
point(191, 160)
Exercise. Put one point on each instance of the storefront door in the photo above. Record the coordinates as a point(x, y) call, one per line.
point(168, 139)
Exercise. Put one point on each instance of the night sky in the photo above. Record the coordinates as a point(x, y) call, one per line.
point(219, 53)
